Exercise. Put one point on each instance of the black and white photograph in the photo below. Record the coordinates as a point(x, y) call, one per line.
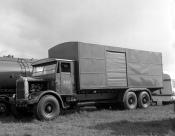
point(87, 67)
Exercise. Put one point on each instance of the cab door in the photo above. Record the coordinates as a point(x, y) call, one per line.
point(66, 77)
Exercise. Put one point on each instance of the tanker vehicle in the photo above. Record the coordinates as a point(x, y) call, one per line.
point(10, 69)
point(77, 73)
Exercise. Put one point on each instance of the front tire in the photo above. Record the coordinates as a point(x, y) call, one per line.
point(144, 100)
point(47, 108)
point(130, 101)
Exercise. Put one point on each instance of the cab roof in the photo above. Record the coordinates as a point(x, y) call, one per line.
point(166, 77)
point(46, 60)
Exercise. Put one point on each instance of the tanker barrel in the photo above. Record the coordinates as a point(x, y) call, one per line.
point(11, 68)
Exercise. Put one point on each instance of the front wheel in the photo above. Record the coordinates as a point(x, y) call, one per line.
point(144, 100)
point(130, 101)
point(47, 108)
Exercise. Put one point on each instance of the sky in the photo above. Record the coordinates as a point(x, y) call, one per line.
point(28, 28)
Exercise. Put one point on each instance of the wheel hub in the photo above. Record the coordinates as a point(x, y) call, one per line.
point(49, 108)
point(131, 100)
point(144, 100)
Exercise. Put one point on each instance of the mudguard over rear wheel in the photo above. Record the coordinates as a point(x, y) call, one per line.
point(47, 108)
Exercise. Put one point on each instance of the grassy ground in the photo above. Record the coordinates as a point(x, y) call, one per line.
point(156, 120)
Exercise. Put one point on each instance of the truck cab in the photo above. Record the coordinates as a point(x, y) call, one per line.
point(59, 74)
point(52, 84)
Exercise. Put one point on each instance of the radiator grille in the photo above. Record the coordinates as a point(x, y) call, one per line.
point(20, 92)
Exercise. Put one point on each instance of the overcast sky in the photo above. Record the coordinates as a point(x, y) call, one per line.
point(28, 28)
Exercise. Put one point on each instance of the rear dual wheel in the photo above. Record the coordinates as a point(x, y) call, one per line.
point(144, 100)
point(130, 101)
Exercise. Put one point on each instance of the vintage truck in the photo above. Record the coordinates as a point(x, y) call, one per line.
point(77, 73)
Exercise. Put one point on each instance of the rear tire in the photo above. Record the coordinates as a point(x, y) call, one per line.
point(130, 101)
point(144, 100)
point(47, 108)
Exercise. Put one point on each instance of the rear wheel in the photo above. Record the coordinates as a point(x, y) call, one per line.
point(144, 100)
point(130, 101)
point(48, 108)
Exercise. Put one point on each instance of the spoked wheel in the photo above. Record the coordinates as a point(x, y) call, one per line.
point(130, 101)
point(48, 108)
point(144, 100)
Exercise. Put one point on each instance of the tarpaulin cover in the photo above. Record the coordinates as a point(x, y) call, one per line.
point(99, 66)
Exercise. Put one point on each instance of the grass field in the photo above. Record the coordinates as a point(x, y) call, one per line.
point(156, 120)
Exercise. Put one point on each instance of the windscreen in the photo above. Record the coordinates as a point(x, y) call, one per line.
point(43, 69)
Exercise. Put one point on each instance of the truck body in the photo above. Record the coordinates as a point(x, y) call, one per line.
point(105, 67)
point(77, 73)
point(10, 69)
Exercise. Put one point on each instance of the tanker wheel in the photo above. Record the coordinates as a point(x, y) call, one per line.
point(130, 101)
point(144, 100)
point(47, 108)
point(4, 108)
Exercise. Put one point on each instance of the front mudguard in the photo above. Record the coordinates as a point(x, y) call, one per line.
point(36, 96)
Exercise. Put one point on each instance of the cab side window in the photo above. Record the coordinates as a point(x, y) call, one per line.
point(65, 67)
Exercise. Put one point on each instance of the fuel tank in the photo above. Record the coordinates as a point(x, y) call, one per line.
point(10, 69)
